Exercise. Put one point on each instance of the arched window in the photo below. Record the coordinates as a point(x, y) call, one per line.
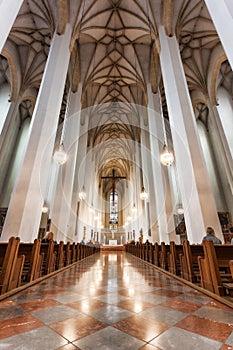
point(113, 217)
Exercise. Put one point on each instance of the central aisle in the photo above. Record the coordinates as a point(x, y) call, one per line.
point(113, 301)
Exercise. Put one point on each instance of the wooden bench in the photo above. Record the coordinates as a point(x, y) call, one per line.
point(216, 259)
point(12, 265)
point(33, 260)
point(49, 262)
point(189, 269)
point(174, 258)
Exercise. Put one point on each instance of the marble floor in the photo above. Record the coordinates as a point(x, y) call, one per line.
point(113, 301)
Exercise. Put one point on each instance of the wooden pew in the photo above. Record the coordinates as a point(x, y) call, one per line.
point(67, 254)
point(163, 256)
point(173, 258)
point(189, 261)
point(216, 259)
point(12, 265)
point(59, 249)
point(49, 261)
point(33, 260)
point(156, 254)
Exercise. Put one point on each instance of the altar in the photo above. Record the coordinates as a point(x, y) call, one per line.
point(112, 238)
point(112, 242)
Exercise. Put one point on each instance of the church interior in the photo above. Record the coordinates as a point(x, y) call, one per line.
point(116, 124)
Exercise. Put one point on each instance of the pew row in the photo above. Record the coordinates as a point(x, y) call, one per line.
point(22, 263)
point(209, 266)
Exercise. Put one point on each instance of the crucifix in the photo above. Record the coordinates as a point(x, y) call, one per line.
point(113, 177)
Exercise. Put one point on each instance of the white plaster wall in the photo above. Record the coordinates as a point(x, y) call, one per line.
point(4, 104)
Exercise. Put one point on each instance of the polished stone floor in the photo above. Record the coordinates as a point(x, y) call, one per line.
point(113, 301)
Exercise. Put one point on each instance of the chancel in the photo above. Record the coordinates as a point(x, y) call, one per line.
point(116, 122)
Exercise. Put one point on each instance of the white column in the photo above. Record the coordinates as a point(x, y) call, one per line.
point(225, 140)
point(197, 198)
point(221, 13)
point(145, 177)
point(76, 224)
point(62, 202)
point(24, 213)
point(156, 140)
point(8, 12)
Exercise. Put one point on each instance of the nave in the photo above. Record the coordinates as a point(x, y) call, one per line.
point(114, 301)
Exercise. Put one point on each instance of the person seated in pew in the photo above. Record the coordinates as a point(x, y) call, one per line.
point(210, 236)
point(49, 236)
point(231, 231)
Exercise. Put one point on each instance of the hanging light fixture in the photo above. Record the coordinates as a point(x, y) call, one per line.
point(82, 195)
point(143, 194)
point(166, 157)
point(45, 209)
point(180, 210)
point(91, 209)
point(60, 156)
point(134, 209)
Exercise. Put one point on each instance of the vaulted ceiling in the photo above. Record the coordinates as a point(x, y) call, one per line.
point(115, 52)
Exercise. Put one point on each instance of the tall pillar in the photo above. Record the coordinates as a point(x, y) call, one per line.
point(62, 201)
point(156, 139)
point(225, 142)
point(24, 212)
point(77, 219)
point(197, 198)
point(221, 13)
point(145, 178)
point(8, 11)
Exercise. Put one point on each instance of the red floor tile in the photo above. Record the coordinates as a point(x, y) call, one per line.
point(181, 305)
point(39, 304)
point(208, 328)
point(17, 325)
point(77, 327)
point(141, 327)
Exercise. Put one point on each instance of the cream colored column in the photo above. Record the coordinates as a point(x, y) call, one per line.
point(8, 11)
point(221, 13)
point(197, 198)
point(156, 142)
point(62, 201)
point(145, 177)
point(24, 212)
point(225, 141)
point(76, 224)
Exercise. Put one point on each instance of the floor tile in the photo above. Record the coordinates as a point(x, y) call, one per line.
point(134, 305)
point(87, 305)
point(203, 326)
point(77, 327)
point(55, 314)
point(39, 304)
point(109, 338)
point(229, 340)
point(110, 314)
point(215, 314)
point(11, 312)
point(37, 339)
point(17, 325)
point(176, 338)
point(183, 306)
point(141, 327)
point(66, 298)
point(149, 347)
point(164, 314)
